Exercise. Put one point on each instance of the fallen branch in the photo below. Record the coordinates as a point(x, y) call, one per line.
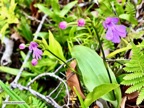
point(26, 59)
point(51, 75)
point(9, 44)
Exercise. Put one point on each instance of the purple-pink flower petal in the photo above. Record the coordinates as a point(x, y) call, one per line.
point(37, 53)
point(81, 22)
point(63, 25)
point(34, 62)
point(110, 21)
point(116, 38)
point(22, 46)
point(33, 45)
point(114, 20)
point(121, 30)
point(114, 31)
point(109, 34)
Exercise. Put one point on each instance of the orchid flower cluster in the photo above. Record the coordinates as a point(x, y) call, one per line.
point(37, 53)
point(63, 25)
point(114, 31)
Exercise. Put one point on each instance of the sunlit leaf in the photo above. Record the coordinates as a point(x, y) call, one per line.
point(55, 47)
point(14, 71)
point(13, 95)
point(94, 72)
point(67, 8)
point(129, 18)
point(42, 8)
point(98, 92)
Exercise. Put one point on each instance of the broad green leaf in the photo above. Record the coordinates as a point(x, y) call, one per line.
point(67, 8)
point(55, 47)
point(14, 71)
point(98, 92)
point(13, 95)
point(94, 72)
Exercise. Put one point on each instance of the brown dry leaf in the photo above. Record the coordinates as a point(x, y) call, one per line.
point(34, 11)
point(130, 98)
point(16, 36)
point(132, 95)
point(72, 79)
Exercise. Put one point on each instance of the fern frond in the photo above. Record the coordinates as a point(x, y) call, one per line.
point(130, 9)
point(135, 87)
point(140, 97)
point(136, 64)
point(133, 76)
point(108, 44)
point(132, 82)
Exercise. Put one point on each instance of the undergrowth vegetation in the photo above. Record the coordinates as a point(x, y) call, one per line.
point(71, 53)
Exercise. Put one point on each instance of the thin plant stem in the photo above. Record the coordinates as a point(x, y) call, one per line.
point(104, 58)
point(61, 60)
point(56, 56)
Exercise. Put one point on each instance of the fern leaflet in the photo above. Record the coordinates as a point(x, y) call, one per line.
point(135, 76)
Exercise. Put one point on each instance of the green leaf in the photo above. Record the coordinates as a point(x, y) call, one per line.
point(25, 30)
point(105, 8)
point(47, 62)
point(67, 8)
point(13, 95)
point(98, 92)
point(55, 6)
point(140, 97)
point(23, 55)
point(45, 10)
point(80, 98)
point(3, 29)
point(14, 71)
point(129, 18)
point(55, 47)
point(94, 72)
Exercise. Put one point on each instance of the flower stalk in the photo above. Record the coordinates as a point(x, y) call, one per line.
point(104, 58)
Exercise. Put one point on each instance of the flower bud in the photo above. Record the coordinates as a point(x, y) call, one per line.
point(81, 22)
point(63, 25)
point(22, 46)
point(34, 62)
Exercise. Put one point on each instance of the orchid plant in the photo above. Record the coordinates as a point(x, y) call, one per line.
point(79, 50)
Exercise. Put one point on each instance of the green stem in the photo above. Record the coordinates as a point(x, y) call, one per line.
point(57, 57)
point(61, 60)
point(104, 58)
